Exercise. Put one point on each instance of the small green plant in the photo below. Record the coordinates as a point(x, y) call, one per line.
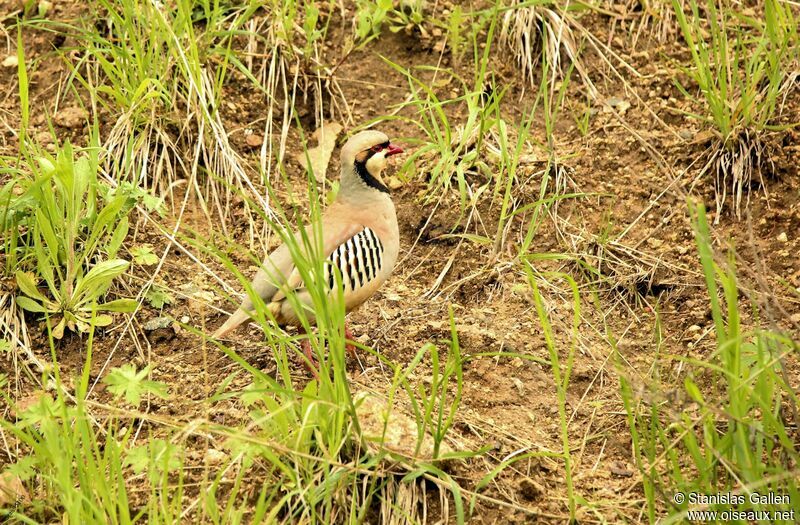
point(561, 371)
point(14, 217)
point(582, 118)
point(75, 240)
point(455, 33)
point(370, 15)
point(144, 255)
point(158, 296)
point(450, 154)
point(126, 382)
point(740, 65)
point(434, 407)
point(16, 204)
point(159, 72)
point(81, 465)
point(408, 15)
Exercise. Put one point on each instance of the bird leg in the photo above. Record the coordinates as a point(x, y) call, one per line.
point(311, 364)
point(348, 335)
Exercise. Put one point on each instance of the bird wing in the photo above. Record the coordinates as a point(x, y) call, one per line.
point(279, 272)
point(334, 235)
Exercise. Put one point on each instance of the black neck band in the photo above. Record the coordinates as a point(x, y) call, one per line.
point(366, 176)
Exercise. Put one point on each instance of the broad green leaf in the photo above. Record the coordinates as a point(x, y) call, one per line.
point(30, 305)
point(99, 278)
point(100, 320)
point(44, 265)
point(104, 221)
point(693, 390)
point(117, 238)
point(119, 305)
point(46, 165)
point(28, 286)
point(49, 235)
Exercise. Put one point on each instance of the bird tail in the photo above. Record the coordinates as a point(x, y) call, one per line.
point(239, 317)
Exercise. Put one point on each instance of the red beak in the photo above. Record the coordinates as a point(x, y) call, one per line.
point(393, 150)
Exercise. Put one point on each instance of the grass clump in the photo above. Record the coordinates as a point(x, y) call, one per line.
point(540, 31)
point(740, 64)
point(729, 427)
point(157, 71)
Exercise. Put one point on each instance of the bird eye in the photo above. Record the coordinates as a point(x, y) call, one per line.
point(376, 148)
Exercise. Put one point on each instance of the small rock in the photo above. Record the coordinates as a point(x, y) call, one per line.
point(214, 457)
point(795, 318)
point(519, 386)
point(44, 138)
point(685, 134)
point(160, 330)
point(199, 300)
point(156, 323)
point(11, 61)
point(385, 429)
point(783, 237)
point(619, 469)
point(390, 296)
point(620, 104)
point(530, 490)
point(73, 117)
point(694, 328)
point(185, 319)
point(254, 140)
point(395, 183)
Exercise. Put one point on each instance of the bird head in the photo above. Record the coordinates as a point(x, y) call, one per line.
point(364, 157)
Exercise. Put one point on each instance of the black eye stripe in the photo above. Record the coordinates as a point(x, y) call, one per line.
point(377, 148)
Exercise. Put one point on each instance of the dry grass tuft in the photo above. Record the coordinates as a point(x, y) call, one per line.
point(534, 33)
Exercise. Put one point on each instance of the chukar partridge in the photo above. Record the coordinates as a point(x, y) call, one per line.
point(360, 238)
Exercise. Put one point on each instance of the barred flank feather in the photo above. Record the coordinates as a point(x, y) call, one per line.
point(359, 260)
